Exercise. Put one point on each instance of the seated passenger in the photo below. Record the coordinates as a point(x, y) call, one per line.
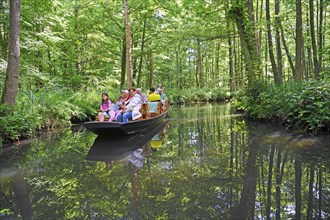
point(131, 109)
point(160, 86)
point(162, 94)
point(125, 95)
point(144, 97)
point(115, 109)
point(153, 97)
point(104, 106)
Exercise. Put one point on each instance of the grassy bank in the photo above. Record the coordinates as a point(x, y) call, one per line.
point(302, 107)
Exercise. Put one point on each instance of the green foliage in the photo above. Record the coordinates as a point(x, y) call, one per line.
point(198, 95)
point(46, 109)
point(304, 107)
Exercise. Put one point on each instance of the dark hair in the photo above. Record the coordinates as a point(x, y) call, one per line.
point(152, 89)
point(132, 88)
point(106, 94)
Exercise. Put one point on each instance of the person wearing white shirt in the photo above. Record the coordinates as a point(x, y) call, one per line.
point(132, 107)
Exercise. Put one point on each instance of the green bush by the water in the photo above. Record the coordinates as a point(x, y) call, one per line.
point(45, 109)
point(304, 107)
point(198, 95)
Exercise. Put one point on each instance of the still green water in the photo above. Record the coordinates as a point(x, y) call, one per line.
point(205, 164)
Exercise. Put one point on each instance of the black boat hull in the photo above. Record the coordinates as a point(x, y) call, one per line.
point(118, 128)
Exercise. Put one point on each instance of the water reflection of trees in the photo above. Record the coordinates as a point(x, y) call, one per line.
point(211, 166)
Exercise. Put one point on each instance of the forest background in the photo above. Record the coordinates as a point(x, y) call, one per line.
point(270, 57)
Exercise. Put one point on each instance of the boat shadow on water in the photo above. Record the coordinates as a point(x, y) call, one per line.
point(113, 148)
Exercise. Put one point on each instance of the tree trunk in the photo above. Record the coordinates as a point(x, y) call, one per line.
point(199, 65)
point(128, 45)
point(77, 44)
point(279, 78)
point(141, 55)
point(123, 65)
point(150, 68)
point(287, 51)
point(320, 33)
point(134, 67)
point(270, 44)
point(245, 27)
point(12, 76)
point(298, 76)
point(312, 31)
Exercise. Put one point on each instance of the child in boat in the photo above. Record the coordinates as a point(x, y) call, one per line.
point(104, 106)
point(115, 109)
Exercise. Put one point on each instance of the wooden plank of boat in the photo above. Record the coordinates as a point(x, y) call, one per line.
point(107, 148)
point(119, 128)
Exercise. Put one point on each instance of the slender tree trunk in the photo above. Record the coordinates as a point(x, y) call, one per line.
point(77, 44)
point(312, 32)
point(231, 68)
point(150, 68)
point(287, 51)
point(270, 44)
point(128, 45)
point(230, 54)
point(298, 76)
point(11, 82)
point(260, 31)
point(134, 68)
point(199, 65)
point(123, 65)
point(141, 56)
point(320, 34)
point(279, 76)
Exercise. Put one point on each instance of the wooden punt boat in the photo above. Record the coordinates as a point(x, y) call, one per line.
point(148, 119)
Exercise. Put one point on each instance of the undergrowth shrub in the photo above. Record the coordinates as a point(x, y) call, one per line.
point(45, 109)
point(198, 95)
point(304, 106)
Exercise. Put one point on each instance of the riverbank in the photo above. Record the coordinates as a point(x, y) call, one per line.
point(301, 107)
point(44, 110)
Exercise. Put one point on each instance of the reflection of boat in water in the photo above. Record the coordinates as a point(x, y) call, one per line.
point(113, 148)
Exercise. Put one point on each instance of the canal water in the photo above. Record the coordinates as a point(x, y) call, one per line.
point(205, 163)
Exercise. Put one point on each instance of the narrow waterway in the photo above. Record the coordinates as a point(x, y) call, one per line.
point(204, 163)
